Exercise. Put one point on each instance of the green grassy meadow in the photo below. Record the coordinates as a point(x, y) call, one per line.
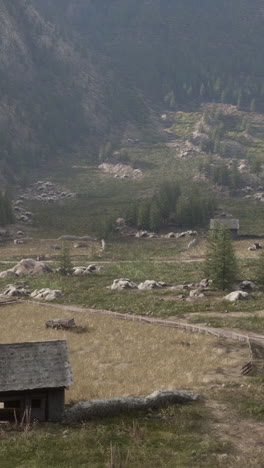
point(180, 436)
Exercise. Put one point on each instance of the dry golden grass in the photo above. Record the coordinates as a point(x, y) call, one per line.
point(111, 357)
point(241, 248)
point(197, 251)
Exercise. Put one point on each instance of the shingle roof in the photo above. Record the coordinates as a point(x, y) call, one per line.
point(34, 365)
point(228, 223)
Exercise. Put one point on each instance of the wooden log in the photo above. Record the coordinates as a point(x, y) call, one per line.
point(62, 323)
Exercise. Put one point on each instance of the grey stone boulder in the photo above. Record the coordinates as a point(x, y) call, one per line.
point(88, 410)
point(247, 285)
point(92, 268)
point(237, 296)
point(170, 235)
point(80, 271)
point(186, 234)
point(31, 267)
point(142, 234)
point(151, 284)
point(14, 290)
point(7, 273)
point(196, 293)
point(123, 283)
point(206, 283)
point(46, 293)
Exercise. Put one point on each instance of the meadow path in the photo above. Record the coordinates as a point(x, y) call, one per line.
point(243, 336)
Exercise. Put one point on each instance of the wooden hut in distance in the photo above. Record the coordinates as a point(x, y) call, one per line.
point(227, 223)
point(33, 378)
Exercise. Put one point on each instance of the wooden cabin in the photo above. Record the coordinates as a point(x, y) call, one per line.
point(33, 378)
point(228, 223)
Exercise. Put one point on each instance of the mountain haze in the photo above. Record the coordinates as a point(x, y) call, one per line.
point(51, 96)
point(74, 73)
point(206, 48)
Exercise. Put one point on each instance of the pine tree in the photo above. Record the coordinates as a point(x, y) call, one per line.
point(220, 261)
point(65, 264)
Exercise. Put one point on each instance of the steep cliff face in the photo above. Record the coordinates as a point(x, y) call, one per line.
point(51, 96)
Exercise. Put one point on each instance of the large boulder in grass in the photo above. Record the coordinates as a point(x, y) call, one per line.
point(7, 273)
point(88, 410)
point(46, 294)
point(238, 296)
point(16, 290)
point(31, 267)
point(247, 285)
point(151, 284)
point(27, 267)
point(123, 283)
point(80, 271)
point(170, 235)
point(196, 293)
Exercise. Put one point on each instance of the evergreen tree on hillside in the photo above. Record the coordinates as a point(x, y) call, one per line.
point(65, 263)
point(6, 213)
point(220, 261)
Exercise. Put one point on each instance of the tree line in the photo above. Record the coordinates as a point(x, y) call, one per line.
point(171, 203)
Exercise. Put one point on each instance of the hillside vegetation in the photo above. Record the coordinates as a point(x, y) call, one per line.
point(75, 74)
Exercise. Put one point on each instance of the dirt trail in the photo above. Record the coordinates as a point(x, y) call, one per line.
point(244, 435)
point(219, 332)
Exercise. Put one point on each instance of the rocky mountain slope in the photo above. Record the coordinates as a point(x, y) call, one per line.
point(75, 73)
point(52, 97)
point(192, 49)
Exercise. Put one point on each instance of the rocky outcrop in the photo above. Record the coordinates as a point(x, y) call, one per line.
point(87, 410)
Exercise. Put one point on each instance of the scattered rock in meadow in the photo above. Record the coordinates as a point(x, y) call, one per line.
point(151, 284)
point(83, 270)
point(170, 235)
point(16, 290)
point(255, 246)
point(247, 285)
point(238, 296)
point(197, 293)
point(142, 234)
point(206, 283)
point(123, 283)
point(27, 267)
point(46, 293)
